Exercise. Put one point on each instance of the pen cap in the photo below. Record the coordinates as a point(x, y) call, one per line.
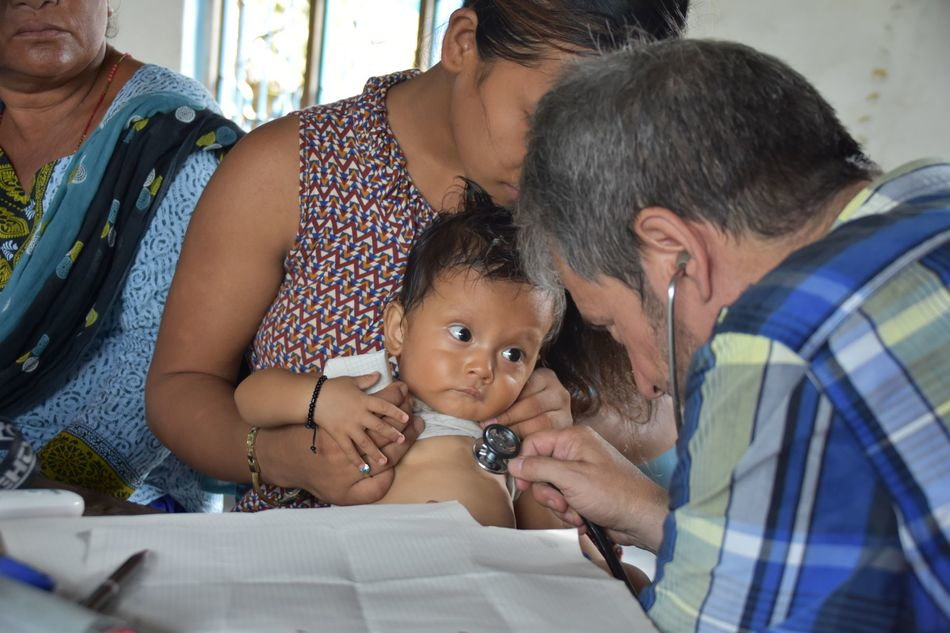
point(107, 590)
point(17, 460)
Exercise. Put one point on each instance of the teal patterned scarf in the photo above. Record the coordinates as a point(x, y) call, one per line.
point(75, 266)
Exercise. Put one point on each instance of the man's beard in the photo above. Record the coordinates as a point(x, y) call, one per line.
point(686, 343)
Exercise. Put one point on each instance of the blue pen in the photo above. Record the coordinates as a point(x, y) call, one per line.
point(12, 568)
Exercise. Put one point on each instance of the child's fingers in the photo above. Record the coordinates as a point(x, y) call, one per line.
point(387, 427)
point(350, 449)
point(385, 409)
point(396, 424)
point(366, 445)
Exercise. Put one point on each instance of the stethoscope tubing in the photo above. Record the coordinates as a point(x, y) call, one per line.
point(494, 458)
point(605, 546)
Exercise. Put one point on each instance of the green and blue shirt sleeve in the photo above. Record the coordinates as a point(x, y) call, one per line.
point(813, 485)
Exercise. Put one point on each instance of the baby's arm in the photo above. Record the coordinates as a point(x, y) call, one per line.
point(276, 397)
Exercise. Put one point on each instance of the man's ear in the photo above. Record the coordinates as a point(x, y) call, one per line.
point(458, 45)
point(664, 236)
point(393, 330)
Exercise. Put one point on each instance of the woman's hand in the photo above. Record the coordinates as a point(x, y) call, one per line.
point(348, 414)
point(543, 404)
point(286, 460)
point(575, 473)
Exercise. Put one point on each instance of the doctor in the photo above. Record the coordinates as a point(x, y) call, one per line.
point(812, 310)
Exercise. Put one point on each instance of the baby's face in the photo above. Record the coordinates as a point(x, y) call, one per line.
point(469, 347)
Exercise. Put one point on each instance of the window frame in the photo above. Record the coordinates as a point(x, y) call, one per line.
point(224, 60)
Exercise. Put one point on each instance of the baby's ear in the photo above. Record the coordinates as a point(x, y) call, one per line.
point(393, 331)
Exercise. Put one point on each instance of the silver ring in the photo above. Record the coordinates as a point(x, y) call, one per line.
point(364, 468)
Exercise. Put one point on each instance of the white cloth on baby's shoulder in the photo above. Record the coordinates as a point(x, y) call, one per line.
point(437, 424)
point(359, 365)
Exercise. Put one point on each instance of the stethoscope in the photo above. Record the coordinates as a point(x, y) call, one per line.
point(499, 443)
point(681, 260)
point(492, 451)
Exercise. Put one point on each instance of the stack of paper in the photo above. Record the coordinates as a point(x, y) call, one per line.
point(364, 569)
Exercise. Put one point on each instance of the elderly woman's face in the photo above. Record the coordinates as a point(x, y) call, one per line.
point(50, 39)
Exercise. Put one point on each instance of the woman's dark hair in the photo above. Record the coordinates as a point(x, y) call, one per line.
point(482, 237)
point(595, 370)
point(520, 30)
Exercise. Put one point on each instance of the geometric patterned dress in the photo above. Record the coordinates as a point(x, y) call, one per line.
point(359, 215)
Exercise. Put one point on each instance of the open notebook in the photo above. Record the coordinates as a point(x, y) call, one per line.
point(369, 569)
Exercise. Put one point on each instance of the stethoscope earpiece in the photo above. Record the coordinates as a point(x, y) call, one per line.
point(681, 261)
point(495, 447)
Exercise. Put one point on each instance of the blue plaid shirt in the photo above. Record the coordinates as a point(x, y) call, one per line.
point(813, 486)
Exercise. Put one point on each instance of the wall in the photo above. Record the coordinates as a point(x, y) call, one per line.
point(152, 30)
point(883, 64)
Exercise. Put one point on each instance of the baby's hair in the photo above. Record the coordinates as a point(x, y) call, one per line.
point(481, 237)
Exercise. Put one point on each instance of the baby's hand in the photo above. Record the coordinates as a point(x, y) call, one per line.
point(345, 412)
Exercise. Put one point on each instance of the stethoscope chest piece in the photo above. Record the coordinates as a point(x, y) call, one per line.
point(495, 447)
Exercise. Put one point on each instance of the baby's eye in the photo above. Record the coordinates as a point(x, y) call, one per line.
point(460, 333)
point(513, 354)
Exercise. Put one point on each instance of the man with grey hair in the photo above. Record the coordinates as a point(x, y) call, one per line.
point(811, 296)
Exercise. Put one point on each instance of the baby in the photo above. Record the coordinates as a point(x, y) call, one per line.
point(466, 332)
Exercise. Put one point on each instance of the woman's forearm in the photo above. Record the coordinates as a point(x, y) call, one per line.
point(194, 415)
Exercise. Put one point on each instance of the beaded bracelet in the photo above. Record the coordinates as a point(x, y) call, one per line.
point(255, 468)
point(310, 424)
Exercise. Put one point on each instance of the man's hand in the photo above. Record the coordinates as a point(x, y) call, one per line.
point(575, 473)
point(543, 404)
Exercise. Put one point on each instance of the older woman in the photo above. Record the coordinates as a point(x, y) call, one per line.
point(102, 159)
